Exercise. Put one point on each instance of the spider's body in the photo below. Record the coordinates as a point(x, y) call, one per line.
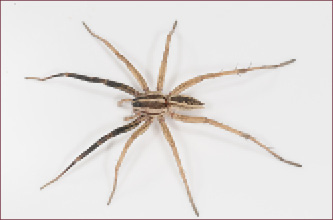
point(148, 105)
point(152, 104)
point(155, 104)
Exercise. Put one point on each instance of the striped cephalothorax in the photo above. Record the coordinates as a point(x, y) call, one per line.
point(148, 105)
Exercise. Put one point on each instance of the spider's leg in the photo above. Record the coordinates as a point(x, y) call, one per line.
point(169, 138)
point(131, 68)
point(191, 82)
point(190, 119)
point(106, 137)
point(128, 118)
point(163, 67)
point(137, 133)
point(121, 102)
point(110, 83)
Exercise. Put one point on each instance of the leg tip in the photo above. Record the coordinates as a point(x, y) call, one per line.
point(294, 164)
point(175, 24)
point(174, 27)
point(85, 25)
point(291, 61)
point(36, 78)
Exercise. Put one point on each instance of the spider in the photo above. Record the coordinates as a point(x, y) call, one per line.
point(150, 105)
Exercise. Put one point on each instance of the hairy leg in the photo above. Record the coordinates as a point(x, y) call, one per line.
point(190, 119)
point(131, 68)
point(137, 133)
point(103, 139)
point(191, 82)
point(169, 138)
point(110, 83)
point(163, 67)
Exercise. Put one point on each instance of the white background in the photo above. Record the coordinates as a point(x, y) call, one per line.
point(45, 125)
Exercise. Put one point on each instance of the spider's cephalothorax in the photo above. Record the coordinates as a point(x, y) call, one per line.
point(149, 105)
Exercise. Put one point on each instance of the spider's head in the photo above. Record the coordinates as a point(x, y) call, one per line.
point(185, 102)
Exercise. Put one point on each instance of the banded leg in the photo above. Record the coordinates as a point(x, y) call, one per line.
point(137, 133)
point(131, 68)
point(103, 139)
point(110, 83)
point(169, 138)
point(189, 119)
point(191, 82)
point(163, 67)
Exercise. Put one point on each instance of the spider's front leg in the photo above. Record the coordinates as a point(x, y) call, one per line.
point(93, 147)
point(109, 83)
point(136, 134)
point(121, 57)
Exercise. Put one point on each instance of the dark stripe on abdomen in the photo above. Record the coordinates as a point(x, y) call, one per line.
point(186, 99)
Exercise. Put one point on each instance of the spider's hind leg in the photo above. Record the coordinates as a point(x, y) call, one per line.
point(190, 119)
point(191, 82)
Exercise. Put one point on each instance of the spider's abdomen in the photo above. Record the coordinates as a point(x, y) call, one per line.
point(185, 102)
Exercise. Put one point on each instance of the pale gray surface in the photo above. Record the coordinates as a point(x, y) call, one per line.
point(45, 125)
